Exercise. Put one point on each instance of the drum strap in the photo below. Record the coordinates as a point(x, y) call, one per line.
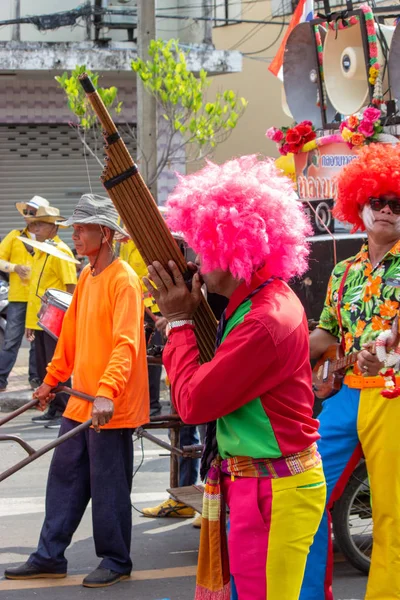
point(40, 276)
point(27, 248)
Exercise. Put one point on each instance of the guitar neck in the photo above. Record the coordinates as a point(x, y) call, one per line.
point(344, 363)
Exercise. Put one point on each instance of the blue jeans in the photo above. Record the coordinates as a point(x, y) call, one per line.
point(89, 466)
point(14, 334)
point(188, 467)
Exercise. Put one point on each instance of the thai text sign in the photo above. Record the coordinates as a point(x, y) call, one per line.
point(316, 170)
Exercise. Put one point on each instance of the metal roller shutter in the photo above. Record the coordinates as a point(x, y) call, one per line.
point(47, 160)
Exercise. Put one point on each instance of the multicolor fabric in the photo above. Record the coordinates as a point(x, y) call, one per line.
point(213, 575)
point(272, 524)
point(256, 386)
point(244, 466)
point(210, 442)
point(370, 301)
point(355, 422)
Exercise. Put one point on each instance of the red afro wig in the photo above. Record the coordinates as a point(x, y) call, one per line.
point(374, 172)
point(241, 215)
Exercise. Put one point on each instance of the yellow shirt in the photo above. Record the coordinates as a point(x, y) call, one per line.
point(57, 273)
point(15, 252)
point(130, 254)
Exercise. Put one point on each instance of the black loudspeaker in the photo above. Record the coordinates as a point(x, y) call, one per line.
point(320, 213)
point(311, 287)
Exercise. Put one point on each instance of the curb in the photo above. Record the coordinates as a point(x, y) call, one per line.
point(12, 400)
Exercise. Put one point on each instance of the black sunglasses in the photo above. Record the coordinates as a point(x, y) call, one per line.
point(378, 203)
point(31, 213)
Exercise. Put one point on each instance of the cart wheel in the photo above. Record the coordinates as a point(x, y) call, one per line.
point(352, 520)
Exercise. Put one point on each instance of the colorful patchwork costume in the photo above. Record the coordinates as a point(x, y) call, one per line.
point(358, 419)
point(258, 385)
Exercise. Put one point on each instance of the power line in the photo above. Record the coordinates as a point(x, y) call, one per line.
point(69, 18)
point(269, 46)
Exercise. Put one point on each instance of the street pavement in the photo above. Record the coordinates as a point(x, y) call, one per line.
point(164, 551)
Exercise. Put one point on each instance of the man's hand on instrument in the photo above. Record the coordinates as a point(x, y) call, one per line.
point(368, 361)
point(44, 395)
point(30, 334)
point(394, 340)
point(23, 271)
point(171, 293)
point(102, 412)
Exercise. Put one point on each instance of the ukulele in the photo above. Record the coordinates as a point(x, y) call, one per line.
point(329, 371)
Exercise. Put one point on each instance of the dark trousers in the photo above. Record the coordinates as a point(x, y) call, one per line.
point(188, 467)
point(44, 347)
point(96, 466)
point(154, 371)
point(15, 329)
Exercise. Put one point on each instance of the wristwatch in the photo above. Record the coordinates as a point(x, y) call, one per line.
point(174, 324)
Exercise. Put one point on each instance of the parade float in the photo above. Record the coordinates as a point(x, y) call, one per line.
point(341, 87)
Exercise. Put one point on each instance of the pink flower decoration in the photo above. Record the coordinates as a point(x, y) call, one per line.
point(274, 134)
point(371, 114)
point(271, 132)
point(366, 128)
point(278, 137)
point(285, 149)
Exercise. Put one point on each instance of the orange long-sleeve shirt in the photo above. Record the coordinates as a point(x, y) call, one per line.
point(102, 342)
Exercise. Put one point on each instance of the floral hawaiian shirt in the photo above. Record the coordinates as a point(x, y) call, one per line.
point(370, 301)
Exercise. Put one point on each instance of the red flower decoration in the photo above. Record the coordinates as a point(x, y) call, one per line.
point(293, 136)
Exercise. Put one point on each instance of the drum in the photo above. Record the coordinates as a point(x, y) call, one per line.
point(51, 315)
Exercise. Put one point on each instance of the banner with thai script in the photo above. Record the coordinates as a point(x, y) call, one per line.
point(316, 170)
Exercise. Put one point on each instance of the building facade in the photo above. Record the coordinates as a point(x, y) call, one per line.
point(257, 36)
point(40, 150)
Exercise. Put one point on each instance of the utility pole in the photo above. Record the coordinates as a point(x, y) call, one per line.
point(16, 30)
point(146, 104)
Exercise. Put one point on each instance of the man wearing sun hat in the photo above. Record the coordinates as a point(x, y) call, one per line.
point(16, 260)
point(47, 272)
point(103, 342)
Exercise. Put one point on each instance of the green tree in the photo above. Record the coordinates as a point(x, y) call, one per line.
point(189, 124)
point(82, 109)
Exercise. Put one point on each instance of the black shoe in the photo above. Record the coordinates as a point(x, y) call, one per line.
point(155, 411)
point(44, 418)
point(34, 383)
point(103, 577)
point(27, 571)
point(54, 423)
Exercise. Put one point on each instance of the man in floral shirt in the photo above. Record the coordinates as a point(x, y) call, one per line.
point(371, 299)
point(362, 300)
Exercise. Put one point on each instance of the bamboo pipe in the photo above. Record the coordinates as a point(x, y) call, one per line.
point(141, 215)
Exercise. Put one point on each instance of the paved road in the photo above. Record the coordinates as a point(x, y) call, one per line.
point(164, 551)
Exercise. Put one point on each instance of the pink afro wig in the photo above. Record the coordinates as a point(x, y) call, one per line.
point(374, 172)
point(241, 215)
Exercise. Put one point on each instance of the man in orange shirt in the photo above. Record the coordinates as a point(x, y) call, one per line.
point(102, 341)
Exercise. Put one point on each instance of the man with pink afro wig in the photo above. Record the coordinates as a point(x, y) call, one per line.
point(362, 302)
point(249, 230)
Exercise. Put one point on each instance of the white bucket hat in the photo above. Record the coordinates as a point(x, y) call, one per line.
point(35, 202)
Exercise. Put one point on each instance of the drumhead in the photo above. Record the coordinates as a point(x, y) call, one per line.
point(58, 298)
